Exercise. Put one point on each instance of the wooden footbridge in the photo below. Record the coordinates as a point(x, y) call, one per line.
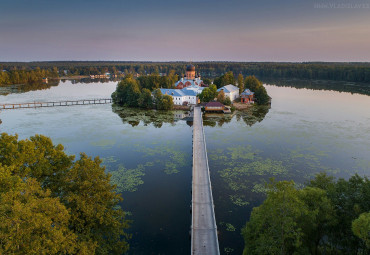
point(204, 238)
point(55, 103)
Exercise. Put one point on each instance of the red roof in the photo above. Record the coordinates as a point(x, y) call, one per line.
point(214, 104)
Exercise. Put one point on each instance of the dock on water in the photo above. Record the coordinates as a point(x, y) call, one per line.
point(204, 238)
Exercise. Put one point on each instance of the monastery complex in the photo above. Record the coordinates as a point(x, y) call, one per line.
point(189, 87)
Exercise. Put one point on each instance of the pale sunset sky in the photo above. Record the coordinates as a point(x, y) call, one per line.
point(187, 30)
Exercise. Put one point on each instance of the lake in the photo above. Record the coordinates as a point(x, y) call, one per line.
point(149, 153)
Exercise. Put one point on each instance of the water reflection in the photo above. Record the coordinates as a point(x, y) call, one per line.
point(250, 116)
point(89, 80)
point(340, 86)
point(134, 116)
point(23, 88)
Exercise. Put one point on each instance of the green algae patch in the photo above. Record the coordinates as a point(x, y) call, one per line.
point(268, 167)
point(170, 168)
point(128, 179)
point(242, 152)
point(173, 159)
point(104, 143)
point(259, 188)
point(228, 226)
point(108, 160)
point(238, 200)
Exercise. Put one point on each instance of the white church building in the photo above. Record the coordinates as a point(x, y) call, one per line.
point(186, 95)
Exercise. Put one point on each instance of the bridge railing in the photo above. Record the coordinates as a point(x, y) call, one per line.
point(9, 106)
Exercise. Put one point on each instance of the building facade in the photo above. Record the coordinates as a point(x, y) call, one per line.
point(185, 96)
point(230, 91)
point(247, 97)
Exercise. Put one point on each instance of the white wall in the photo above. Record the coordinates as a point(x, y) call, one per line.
point(232, 95)
point(181, 100)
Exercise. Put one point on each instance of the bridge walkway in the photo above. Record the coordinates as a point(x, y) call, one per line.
point(204, 238)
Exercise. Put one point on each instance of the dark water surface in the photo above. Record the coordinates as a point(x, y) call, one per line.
point(149, 153)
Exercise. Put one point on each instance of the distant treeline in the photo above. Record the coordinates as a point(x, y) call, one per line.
point(26, 76)
point(353, 72)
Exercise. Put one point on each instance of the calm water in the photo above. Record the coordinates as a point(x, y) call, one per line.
point(149, 153)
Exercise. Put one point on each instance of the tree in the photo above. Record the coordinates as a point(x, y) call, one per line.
point(361, 228)
point(36, 157)
point(227, 101)
point(207, 81)
point(31, 220)
point(350, 201)
point(320, 219)
point(326, 217)
point(92, 201)
point(165, 103)
point(157, 95)
point(205, 95)
point(213, 91)
point(273, 226)
point(252, 83)
point(227, 78)
point(127, 92)
point(145, 100)
point(42, 188)
point(240, 83)
point(257, 87)
point(221, 97)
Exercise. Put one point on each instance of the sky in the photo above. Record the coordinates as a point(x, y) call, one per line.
point(186, 30)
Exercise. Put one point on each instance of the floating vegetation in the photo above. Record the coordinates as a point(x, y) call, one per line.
point(259, 188)
point(108, 160)
point(229, 226)
point(128, 179)
point(238, 200)
point(128, 213)
point(242, 152)
point(170, 168)
point(268, 167)
point(173, 158)
point(228, 250)
point(135, 116)
point(103, 143)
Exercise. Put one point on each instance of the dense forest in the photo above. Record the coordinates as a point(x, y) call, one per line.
point(353, 72)
point(51, 203)
point(328, 216)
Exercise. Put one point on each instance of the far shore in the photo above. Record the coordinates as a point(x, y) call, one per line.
point(74, 77)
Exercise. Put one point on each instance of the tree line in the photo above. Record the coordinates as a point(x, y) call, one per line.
point(51, 203)
point(353, 72)
point(26, 76)
point(328, 216)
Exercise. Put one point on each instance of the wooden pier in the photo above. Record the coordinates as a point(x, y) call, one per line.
point(204, 238)
point(55, 103)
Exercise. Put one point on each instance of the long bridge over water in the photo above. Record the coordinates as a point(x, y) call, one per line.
point(204, 238)
point(55, 103)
